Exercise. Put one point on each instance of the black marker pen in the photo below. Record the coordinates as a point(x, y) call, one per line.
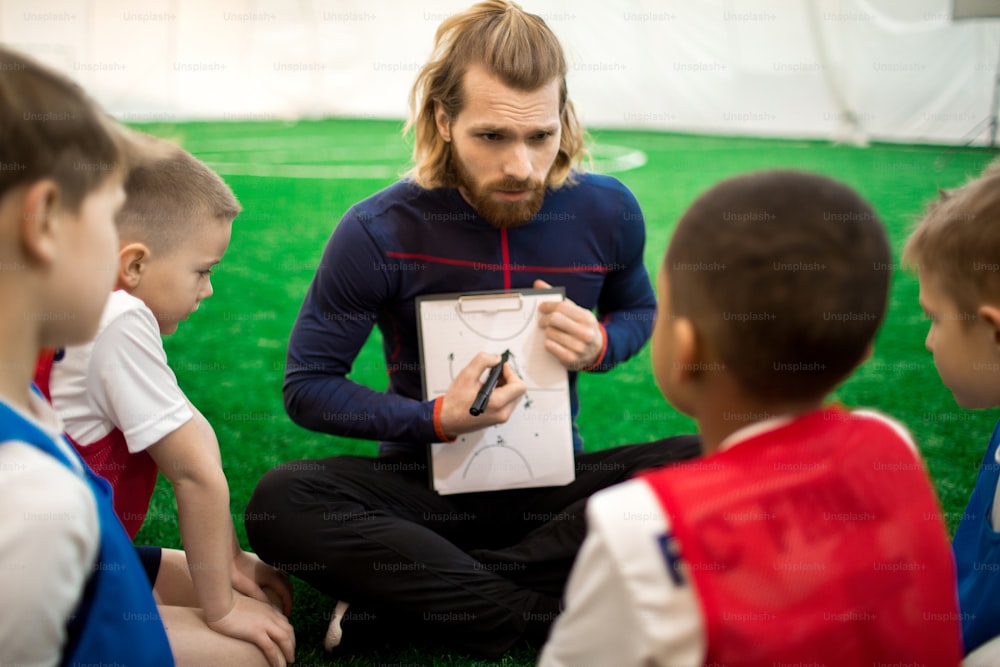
point(483, 397)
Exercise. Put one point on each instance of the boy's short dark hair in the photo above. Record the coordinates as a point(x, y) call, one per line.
point(958, 242)
point(50, 128)
point(167, 190)
point(785, 275)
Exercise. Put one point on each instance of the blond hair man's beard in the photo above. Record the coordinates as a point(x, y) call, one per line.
point(499, 213)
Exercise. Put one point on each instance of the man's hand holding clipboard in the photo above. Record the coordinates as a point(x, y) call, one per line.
point(572, 333)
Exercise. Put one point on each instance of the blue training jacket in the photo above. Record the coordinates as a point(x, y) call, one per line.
point(406, 241)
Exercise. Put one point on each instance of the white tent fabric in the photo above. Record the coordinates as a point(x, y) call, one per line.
point(850, 70)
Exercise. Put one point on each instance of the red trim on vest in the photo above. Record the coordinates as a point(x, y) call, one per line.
point(43, 371)
point(132, 476)
point(819, 541)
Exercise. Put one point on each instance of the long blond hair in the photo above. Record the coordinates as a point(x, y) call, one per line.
point(518, 48)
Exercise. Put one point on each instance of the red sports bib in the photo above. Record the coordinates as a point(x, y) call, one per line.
point(132, 476)
point(819, 542)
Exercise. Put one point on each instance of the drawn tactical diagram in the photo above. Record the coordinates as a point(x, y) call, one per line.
point(535, 446)
point(497, 455)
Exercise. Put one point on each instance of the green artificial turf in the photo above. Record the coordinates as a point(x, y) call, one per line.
point(229, 358)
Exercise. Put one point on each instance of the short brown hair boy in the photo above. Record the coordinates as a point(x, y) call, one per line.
point(168, 189)
point(49, 128)
point(955, 245)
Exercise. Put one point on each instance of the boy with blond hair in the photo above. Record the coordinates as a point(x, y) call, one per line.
point(955, 250)
point(73, 589)
point(128, 417)
point(806, 534)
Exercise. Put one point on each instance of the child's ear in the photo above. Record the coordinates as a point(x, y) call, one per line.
point(687, 349)
point(991, 315)
point(678, 381)
point(132, 261)
point(40, 219)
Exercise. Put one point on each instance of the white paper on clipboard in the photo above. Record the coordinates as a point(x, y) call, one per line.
point(535, 446)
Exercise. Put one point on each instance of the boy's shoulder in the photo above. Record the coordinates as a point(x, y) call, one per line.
point(896, 426)
point(48, 552)
point(54, 499)
point(823, 424)
point(121, 302)
point(46, 493)
point(628, 518)
point(127, 327)
point(833, 424)
point(126, 310)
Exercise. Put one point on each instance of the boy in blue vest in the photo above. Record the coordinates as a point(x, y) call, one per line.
point(956, 252)
point(128, 418)
point(74, 591)
point(802, 536)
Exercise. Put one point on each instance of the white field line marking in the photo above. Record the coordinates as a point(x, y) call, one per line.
point(606, 159)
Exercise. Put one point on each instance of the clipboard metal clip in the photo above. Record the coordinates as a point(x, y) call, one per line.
point(489, 303)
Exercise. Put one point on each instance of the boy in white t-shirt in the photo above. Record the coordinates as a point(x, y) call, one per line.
point(128, 417)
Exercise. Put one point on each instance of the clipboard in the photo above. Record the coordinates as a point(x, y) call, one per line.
point(534, 447)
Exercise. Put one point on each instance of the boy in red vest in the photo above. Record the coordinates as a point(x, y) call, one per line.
point(806, 534)
point(956, 251)
point(128, 418)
